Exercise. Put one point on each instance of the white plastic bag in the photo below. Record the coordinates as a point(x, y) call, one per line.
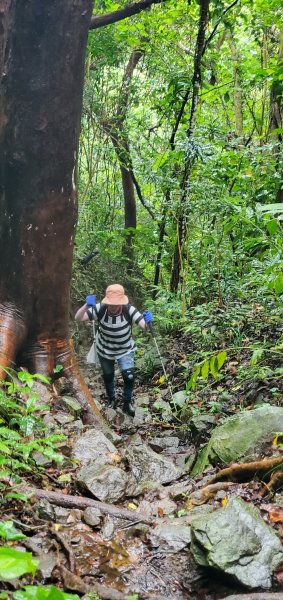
point(91, 355)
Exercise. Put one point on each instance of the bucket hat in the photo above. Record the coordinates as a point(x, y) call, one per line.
point(115, 295)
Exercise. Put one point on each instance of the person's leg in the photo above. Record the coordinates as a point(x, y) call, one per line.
point(108, 378)
point(126, 364)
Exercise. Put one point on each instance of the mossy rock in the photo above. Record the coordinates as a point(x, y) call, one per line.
point(242, 436)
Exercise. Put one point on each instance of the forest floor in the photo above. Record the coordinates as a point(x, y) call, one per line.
point(118, 556)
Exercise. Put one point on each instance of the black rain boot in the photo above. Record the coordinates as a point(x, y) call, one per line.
point(110, 391)
point(128, 408)
point(128, 405)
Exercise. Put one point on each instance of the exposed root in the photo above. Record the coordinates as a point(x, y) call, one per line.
point(12, 334)
point(245, 471)
point(201, 496)
point(275, 483)
point(43, 356)
point(76, 584)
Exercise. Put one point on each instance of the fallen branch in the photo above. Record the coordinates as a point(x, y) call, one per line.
point(243, 472)
point(82, 502)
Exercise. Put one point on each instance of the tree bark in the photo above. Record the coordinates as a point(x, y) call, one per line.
point(42, 48)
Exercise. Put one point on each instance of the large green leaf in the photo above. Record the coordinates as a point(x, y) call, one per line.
point(14, 564)
point(9, 532)
point(34, 592)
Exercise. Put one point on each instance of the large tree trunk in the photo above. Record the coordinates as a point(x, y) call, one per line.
point(42, 58)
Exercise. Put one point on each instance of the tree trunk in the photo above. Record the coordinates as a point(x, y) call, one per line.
point(42, 58)
point(189, 163)
point(238, 101)
point(276, 115)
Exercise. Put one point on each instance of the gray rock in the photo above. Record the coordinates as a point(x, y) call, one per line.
point(147, 465)
point(163, 443)
point(92, 516)
point(142, 400)
point(47, 562)
point(236, 541)
point(158, 508)
point(70, 405)
point(105, 482)
point(61, 514)
point(141, 417)
point(170, 537)
point(45, 510)
point(201, 423)
point(63, 418)
point(241, 436)
point(40, 459)
point(93, 446)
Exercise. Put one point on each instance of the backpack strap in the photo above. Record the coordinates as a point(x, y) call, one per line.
point(126, 313)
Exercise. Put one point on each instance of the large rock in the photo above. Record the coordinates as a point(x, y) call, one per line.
point(147, 465)
point(105, 482)
point(93, 446)
point(241, 436)
point(236, 541)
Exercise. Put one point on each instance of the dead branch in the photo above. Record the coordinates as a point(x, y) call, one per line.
point(243, 472)
point(82, 502)
point(276, 481)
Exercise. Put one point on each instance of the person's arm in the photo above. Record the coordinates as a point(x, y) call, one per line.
point(82, 314)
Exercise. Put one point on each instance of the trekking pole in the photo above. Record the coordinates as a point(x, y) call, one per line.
point(162, 363)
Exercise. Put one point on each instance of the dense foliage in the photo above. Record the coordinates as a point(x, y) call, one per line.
point(204, 160)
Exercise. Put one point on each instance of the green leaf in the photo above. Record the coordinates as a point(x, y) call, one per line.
point(271, 208)
point(221, 357)
point(213, 366)
point(205, 369)
point(257, 354)
point(14, 564)
point(160, 161)
point(9, 532)
point(37, 592)
point(272, 226)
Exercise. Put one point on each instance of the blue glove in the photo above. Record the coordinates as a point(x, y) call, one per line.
point(148, 316)
point(91, 300)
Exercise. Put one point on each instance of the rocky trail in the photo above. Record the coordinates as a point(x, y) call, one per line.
point(123, 517)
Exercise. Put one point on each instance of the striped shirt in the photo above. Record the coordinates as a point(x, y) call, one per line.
point(114, 336)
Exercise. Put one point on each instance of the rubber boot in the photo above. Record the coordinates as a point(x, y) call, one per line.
point(128, 408)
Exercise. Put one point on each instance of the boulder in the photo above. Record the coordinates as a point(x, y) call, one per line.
point(147, 465)
point(238, 542)
point(242, 436)
point(105, 482)
point(93, 446)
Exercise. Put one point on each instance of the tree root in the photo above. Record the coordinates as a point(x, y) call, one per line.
point(76, 584)
point(201, 496)
point(42, 357)
point(243, 472)
point(276, 481)
point(81, 503)
point(12, 334)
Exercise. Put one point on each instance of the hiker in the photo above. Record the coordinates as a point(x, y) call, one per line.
point(114, 339)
